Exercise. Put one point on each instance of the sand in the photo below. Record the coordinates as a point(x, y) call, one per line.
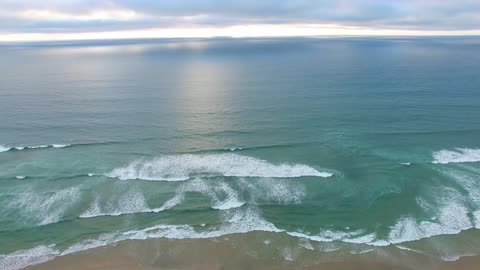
point(244, 252)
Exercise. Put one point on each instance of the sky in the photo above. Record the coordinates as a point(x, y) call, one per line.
point(31, 20)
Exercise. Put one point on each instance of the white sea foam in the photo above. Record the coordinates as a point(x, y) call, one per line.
point(130, 202)
point(458, 155)
point(240, 220)
point(182, 167)
point(280, 191)
point(357, 237)
point(134, 201)
point(45, 208)
point(305, 243)
point(231, 201)
point(228, 205)
point(23, 258)
point(4, 148)
point(32, 147)
point(90, 174)
point(468, 181)
point(214, 191)
point(60, 145)
point(453, 219)
point(406, 163)
point(20, 177)
point(223, 196)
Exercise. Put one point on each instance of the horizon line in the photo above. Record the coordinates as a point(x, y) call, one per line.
point(237, 31)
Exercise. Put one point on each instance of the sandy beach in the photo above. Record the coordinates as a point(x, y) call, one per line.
point(243, 252)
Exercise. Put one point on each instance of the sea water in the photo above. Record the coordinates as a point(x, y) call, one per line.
point(358, 141)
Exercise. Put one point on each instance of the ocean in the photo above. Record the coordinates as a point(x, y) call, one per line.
point(335, 144)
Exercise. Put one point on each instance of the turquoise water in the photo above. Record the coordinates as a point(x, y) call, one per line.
point(369, 142)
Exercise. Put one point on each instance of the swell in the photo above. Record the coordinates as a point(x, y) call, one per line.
point(437, 132)
point(240, 147)
point(50, 177)
point(23, 147)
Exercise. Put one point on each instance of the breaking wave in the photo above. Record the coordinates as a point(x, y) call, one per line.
point(20, 148)
point(182, 167)
point(458, 155)
point(452, 220)
point(222, 196)
point(130, 203)
point(238, 220)
point(45, 208)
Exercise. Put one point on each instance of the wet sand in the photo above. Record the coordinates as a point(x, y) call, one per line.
point(244, 252)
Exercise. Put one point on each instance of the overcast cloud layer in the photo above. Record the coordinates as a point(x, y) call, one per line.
point(70, 16)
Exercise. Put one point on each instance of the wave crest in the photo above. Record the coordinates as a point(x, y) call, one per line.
point(20, 148)
point(182, 167)
point(460, 155)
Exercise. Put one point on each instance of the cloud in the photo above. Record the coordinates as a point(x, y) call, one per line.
point(70, 16)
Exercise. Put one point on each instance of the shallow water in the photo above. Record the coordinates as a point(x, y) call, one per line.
point(353, 141)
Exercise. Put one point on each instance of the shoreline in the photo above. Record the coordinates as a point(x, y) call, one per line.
point(245, 251)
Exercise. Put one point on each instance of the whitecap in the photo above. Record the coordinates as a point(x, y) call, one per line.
point(60, 145)
point(228, 205)
point(20, 177)
point(182, 167)
point(35, 147)
point(23, 147)
point(459, 155)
